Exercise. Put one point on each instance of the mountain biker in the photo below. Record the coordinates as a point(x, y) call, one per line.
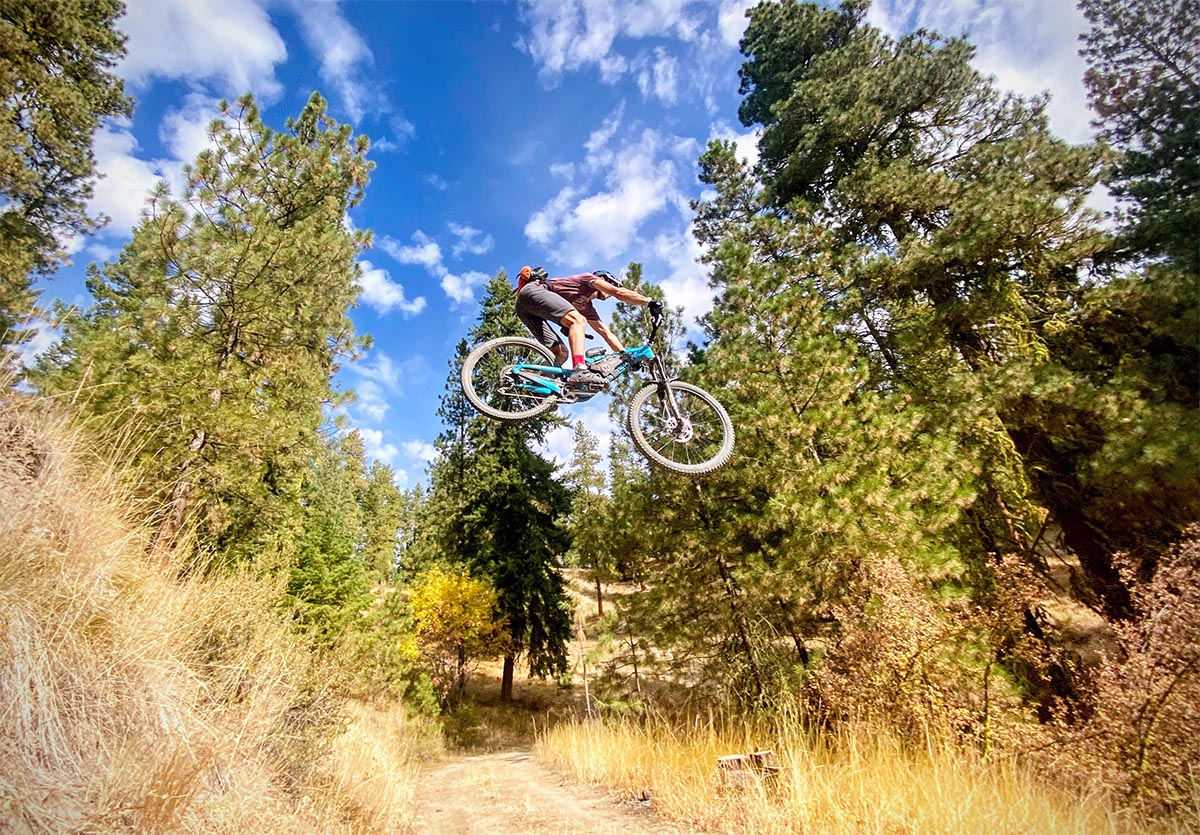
point(568, 302)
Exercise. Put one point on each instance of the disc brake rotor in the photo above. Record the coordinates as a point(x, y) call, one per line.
point(678, 428)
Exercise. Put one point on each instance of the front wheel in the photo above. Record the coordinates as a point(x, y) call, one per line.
point(491, 387)
point(694, 438)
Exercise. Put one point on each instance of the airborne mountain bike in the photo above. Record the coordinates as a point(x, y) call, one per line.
point(676, 425)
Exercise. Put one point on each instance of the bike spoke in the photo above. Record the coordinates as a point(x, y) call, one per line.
point(493, 383)
point(705, 437)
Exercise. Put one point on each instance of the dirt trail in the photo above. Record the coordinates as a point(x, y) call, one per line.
point(511, 794)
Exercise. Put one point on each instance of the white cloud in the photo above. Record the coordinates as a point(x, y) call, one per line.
point(375, 447)
point(461, 288)
point(231, 43)
point(385, 295)
point(101, 252)
point(378, 367)
point(184, 132)
point(371, 401)
point(43, 335)
point(544, 223)
point(425, 251)
point(686, 284)
point(70, 242)
point(126, 181)
point(745, 144)
point(344, 56)
point(731, 20)
point(420, 451)
point(599, 138)
point(659, 77)
point(569, 35)
point(470, 240)
point(585, 222)
point(566, 34)
point(376, 378)
point(379, 381)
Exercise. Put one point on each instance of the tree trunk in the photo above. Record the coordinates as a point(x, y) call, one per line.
point(798, 640)
point(743, 628)
point(1058, 488)
point(461, 672)
point(506, 681)
point(599, 599)
point(168, 529)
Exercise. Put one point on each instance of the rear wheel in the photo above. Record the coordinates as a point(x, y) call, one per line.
point(698, 441)
point(491, 387)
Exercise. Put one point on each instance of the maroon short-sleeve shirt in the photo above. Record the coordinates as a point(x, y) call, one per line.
point(578, 290)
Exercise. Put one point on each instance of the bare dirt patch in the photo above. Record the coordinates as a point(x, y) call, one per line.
point(510, 792)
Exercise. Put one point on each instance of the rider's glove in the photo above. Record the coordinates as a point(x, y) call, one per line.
point(656, 307)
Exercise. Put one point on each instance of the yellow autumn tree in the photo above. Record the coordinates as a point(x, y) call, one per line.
point(455, 626)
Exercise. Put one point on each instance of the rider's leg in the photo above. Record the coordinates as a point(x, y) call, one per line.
point(581, 375)
point(575, 325)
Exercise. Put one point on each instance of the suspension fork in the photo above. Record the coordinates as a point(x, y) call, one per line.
point(670, 407)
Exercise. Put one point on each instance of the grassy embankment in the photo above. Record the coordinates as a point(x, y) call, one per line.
point(860, 783)
point(134, 699)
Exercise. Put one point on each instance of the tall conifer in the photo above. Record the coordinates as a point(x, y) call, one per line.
point(215, 334)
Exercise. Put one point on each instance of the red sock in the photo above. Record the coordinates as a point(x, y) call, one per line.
point(579, 361)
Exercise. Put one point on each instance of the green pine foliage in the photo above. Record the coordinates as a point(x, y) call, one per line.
point(56, 87)
point(961, 248)
point(1143, 82)
point(328, 586)
point(215, 334)
point(385, 511)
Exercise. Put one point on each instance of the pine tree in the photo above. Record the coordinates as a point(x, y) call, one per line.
point(961, 242)
point(1143, 81)
point(328, 585)
point(830, 480)
point(495, 506)
point(384, 508)
point(589, 522)
point(215, 335)
point(56, 89)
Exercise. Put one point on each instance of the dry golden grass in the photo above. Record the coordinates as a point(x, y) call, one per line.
point(861, 783)
point(134, 700)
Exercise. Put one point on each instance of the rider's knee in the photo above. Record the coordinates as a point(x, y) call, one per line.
point(572, 319)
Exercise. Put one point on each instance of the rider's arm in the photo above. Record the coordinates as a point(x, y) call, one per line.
point(621, 294)
point(607, 335)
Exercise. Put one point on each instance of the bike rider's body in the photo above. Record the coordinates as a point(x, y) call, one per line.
point(568, 302)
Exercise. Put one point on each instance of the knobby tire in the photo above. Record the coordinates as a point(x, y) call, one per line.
point(709, 449)
point(487, 387)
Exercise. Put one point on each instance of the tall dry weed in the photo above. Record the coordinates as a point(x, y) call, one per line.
point(135, 697)
point(861, 780)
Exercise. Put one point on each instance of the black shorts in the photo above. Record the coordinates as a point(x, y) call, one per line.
point(538, 307)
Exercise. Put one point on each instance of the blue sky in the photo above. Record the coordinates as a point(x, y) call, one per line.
point(554, 132)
